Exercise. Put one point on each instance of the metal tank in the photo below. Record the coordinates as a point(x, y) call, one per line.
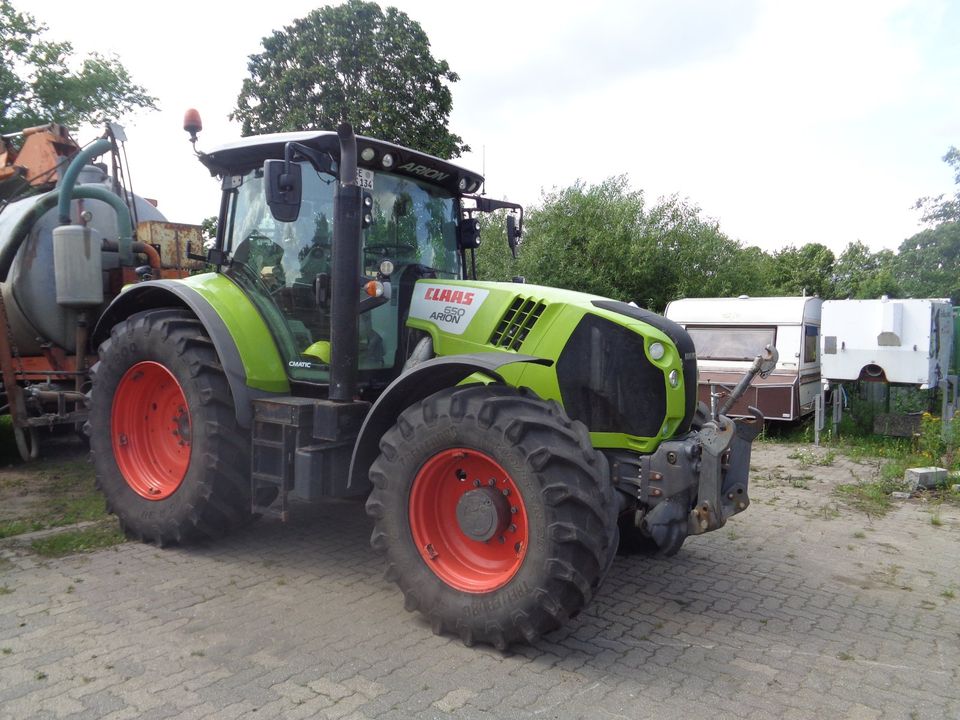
point(30, 290)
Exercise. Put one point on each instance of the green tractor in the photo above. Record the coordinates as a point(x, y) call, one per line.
point(508, 438)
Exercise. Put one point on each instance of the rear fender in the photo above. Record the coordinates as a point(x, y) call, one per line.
point(411, 387)
point(247, 352)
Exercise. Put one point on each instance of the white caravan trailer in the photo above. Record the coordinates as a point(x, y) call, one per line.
point(906, 342)
point(729, 333)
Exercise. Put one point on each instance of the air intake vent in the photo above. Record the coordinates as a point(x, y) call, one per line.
point(517, 323)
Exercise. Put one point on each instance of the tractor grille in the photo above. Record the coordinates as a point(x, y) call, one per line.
point(516, 323)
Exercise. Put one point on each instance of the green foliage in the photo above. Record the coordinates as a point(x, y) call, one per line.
point(41, 82)
point(928, 263)
point(861, 274)
point(604, 239)
point(872, 498)
point(807, 458)
point(494, 260)
point(943, 209)
point(208, 228)
point(354, 62)
point(807, 269)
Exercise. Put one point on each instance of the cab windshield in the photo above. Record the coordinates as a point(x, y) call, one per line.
point(282, 265)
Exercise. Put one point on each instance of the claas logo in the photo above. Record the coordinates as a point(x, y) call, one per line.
point(448, 295)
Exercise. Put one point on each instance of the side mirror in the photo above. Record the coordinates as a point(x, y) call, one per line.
point(513, 234)
point(284, 187)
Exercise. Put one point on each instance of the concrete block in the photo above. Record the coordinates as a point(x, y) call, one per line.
point(924, 477)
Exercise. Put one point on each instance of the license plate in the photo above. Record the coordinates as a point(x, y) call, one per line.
point(365, 178)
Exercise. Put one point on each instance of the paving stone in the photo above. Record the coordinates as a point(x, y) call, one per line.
point(296, 621)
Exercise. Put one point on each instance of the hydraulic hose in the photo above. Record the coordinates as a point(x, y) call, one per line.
point(153, 257)
point(73, 171)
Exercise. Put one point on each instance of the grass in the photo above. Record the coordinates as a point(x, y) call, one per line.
point(60, 492)
point(16, 527)
point(78, 541)
point(871, 498)
point(889, 575)
point(4, 590)
point(807, 458)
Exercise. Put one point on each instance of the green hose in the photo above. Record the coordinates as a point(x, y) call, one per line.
point(69, 179)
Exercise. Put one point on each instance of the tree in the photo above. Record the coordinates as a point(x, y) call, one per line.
point(860, 274)
point(603, 239)
point(928, 264)
point(807, 269)
point(354, 62)
point(942, 209)
point(38, 82)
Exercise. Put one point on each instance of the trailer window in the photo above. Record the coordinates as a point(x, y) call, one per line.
point(731, 343)
point(811, 338)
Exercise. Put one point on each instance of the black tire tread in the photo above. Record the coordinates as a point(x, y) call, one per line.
point(222, 502)
point(574, 489)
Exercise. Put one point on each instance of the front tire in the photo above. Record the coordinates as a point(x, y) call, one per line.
point(497, 516)
point(169, 456)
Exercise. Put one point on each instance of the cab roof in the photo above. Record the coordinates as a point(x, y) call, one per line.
point(247, 153)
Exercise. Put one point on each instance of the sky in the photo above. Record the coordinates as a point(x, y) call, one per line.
point(785, 122)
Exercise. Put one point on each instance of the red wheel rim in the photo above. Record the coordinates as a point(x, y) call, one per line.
point(449, 545)
point(150, 427)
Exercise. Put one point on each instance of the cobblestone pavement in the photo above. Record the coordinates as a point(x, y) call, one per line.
point(799, 608)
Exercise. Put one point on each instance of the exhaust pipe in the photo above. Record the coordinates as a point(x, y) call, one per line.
point(346, 269)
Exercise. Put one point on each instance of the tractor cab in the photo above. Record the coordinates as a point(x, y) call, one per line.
point(414, 226)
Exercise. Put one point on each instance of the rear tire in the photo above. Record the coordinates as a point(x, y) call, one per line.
point(169, 456)
point(468, 466)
